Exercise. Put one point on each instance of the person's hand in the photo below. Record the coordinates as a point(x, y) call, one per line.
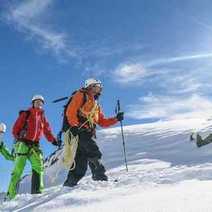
point(1, 139)
point(75, 130)
point(57, 143)
point(1, 144)
point(120, 116)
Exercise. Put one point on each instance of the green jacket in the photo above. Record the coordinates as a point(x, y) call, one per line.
point(5, 152)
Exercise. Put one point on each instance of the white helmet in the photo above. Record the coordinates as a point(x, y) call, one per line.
point(92, 81)
point(2, 127)
point(38, 97)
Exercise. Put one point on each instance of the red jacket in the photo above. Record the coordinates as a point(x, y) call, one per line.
point(36, 126)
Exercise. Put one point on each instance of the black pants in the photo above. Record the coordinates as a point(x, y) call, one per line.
point(35, 183)
point(87, 153)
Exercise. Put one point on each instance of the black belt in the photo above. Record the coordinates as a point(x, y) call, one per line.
point(29, 143)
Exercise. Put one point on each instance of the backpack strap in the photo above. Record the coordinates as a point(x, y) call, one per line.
point(65, 124)
point(24, 128)
point(27, 112)
point(43, 116)
point(85, 98)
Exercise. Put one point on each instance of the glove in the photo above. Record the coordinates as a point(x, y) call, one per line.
point(59, 136)
point(1, 144)
point(120, 116)
point(75, 130)
point(57, 143)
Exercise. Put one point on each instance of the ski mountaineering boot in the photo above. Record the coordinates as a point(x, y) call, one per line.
point(97, 170)
point(202, 142)
point(199, 141)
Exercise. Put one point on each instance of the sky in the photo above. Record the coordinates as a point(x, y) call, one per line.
point(155, 56)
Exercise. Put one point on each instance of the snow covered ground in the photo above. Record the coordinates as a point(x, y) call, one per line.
point(167, 173)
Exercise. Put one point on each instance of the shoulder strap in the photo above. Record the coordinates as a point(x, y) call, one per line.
point(27, 114)
point(85, 98)
point(43, 116)
point(24, 128)
point(65, 124)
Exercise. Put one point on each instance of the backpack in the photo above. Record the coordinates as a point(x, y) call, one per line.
point(24, 129)
point(65, 124)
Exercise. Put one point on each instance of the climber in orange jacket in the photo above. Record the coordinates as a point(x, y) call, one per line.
point(83, 114)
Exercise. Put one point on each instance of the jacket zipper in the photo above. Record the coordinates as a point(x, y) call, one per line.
point(36, 126)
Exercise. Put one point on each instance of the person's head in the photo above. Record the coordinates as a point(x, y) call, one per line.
point(93, 86)
point(2, 128)
point(37, 101)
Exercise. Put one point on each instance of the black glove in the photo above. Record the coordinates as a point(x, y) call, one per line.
point(1, 144)
point(56, 143)
point(59, 136)
point(75, 130)
point(59, 142)
point(120, 116)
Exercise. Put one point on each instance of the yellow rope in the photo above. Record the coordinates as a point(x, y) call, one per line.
point(70, 149)
point(90, 117)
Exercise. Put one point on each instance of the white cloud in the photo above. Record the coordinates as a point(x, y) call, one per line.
point(164, 61)
point(29, 16)
point(131, 73)
point(178, 92)
point(178, 84)
point(30, 9)
point(166, 107)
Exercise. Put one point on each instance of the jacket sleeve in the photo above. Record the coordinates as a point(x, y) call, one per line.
point(73, 107)
point(106, 122)
point(17, 127)
point(47, 131)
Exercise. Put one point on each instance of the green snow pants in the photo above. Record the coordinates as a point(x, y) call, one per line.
point(33, 153)
point(5, 152)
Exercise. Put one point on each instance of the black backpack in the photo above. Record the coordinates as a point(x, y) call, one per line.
point(24, 129)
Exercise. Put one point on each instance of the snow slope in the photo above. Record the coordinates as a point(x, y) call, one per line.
point(167, 173)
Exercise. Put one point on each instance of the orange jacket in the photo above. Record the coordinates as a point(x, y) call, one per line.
point(75, 107)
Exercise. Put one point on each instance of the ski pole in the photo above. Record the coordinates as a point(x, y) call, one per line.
point(118, 109)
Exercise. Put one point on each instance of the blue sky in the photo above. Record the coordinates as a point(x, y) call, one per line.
point(155, 56)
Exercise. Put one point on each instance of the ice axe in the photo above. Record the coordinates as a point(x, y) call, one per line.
point(60, 99)
point(118, 109)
